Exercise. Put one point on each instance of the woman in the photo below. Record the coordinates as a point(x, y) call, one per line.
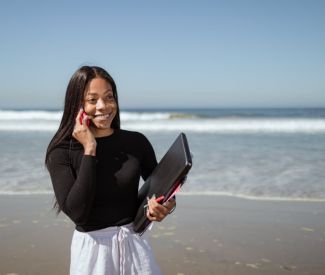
point(95, 168)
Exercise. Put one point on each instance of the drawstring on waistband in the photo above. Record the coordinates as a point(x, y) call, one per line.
point(121, 236)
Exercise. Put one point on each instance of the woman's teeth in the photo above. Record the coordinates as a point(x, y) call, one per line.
point(102, 116)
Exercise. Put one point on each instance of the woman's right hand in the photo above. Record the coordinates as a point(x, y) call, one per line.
point(82, 133)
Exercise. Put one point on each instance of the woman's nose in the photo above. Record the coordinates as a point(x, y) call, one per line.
point(100, 104)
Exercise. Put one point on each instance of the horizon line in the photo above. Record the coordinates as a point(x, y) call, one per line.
point(169, 108)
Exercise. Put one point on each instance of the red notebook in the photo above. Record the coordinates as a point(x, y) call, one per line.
point(165, 180)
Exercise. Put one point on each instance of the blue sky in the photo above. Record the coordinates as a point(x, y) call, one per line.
point(166, 53)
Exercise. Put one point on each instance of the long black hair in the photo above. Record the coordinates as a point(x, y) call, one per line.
point(73, 102)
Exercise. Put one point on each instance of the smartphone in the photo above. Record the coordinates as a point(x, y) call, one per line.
point(82, 117)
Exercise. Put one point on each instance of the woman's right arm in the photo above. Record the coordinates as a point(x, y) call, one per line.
point(74, 195)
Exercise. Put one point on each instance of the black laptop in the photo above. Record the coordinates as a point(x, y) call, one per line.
point(165, 179)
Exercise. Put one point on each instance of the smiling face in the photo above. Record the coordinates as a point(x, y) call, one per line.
point(100, 105)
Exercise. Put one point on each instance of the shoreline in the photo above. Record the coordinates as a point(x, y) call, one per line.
point(205, 235)
point(195, 194)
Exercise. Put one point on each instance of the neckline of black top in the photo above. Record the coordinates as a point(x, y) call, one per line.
point(108, 136)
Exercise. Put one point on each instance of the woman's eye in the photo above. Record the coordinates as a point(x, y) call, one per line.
point(92, 100)
point(110, 98)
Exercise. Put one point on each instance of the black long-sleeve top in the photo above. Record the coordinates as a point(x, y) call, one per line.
point(101, 191)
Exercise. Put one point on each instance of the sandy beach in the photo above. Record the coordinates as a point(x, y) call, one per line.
point(205, 235)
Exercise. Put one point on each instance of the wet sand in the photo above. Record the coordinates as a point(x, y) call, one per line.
point(205, 235)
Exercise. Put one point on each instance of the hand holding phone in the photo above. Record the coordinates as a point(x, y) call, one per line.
point(82, 118)
point(84, 136)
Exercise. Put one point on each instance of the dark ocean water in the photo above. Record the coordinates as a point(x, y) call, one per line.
point(255, 153)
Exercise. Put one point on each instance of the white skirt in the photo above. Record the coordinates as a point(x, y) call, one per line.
point(112, 250)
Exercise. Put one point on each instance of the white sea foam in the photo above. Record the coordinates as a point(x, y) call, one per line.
point(194, 125)
point(29, 115)
point(7, 115)
point(239, 125)
point(40, 126)
point(135, 116)
point(168, 121)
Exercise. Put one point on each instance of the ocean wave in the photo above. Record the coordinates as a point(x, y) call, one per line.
point(192, 125)
point(161, 114)
point(7, 115)
point(235, 126)
point(29, 115)
point(35, 126)
point(139, 116)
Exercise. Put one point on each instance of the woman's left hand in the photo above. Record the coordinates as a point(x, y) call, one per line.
point(157, 212)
